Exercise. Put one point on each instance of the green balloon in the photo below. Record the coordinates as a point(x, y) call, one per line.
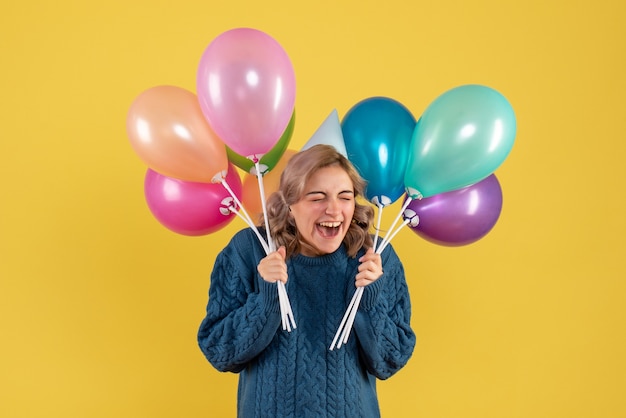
point(461, 138)
point(269, 159)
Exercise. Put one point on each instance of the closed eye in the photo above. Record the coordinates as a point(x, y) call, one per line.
point(316, 196)
point(346, 195)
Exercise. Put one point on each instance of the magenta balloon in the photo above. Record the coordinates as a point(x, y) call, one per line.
point(190, 208)
point(246, 87)
point(459, 217)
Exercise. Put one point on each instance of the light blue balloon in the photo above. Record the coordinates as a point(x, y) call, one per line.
point(461, 138)
point(377, 133)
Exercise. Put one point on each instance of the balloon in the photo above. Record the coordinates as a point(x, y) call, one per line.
point(458, 217)
point(269, 160)
point(377, 133)
point(462, 137)
point(246, 88)
point(271, 180)
point(168, 131)
point(191, 208)
point(328, 133)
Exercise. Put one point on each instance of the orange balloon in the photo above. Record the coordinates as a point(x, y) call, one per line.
point(251, 195)
point(169, 132)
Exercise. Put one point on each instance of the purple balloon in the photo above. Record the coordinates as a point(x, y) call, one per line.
point(458, 217)
point(191, 208)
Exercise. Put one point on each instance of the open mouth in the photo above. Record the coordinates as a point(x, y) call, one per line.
point(329, 229)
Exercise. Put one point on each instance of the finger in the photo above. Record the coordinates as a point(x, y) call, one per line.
point(363, 281)
point(368, 254)
point(369, 270)
point(273, 268)
point(371, 256)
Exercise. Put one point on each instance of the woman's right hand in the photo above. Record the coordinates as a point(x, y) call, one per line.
point(273, 268)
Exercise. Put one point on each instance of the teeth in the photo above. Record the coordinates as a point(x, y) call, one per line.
point(330, 224)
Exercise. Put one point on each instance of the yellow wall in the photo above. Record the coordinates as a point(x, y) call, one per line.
point(99, 304)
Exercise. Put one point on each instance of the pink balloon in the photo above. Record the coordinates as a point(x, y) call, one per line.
point(191, 208)
point(246, 88)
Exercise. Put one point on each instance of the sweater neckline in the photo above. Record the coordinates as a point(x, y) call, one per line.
point(338, 255)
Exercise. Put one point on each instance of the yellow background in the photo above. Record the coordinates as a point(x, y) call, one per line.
point(99, 304)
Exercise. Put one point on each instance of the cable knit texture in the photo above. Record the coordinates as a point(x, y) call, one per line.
point(294, 374)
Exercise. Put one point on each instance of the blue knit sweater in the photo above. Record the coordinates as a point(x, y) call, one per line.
point(294, 374)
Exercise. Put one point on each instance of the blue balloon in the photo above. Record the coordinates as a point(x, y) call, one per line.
point(377, 133)
point(462, 137)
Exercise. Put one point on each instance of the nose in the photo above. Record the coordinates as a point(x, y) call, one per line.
point(333, 207)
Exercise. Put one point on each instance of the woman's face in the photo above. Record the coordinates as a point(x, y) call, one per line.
point(324, 212)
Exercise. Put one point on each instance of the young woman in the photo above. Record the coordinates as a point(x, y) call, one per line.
point(324, 252)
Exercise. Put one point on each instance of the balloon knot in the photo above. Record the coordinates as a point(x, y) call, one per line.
point(414, 193)
point(219, 177)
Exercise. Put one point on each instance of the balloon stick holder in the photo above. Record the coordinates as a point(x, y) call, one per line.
point(345, 327)
point(287, 319)
point(286, 314)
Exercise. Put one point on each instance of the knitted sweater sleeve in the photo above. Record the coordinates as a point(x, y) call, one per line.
point(243, 312)
point(382, 323)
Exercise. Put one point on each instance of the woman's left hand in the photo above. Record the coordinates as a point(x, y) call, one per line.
point(370, 269)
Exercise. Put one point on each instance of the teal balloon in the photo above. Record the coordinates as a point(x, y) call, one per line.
point(462, 137)
point(377, 133)
point(269, 159)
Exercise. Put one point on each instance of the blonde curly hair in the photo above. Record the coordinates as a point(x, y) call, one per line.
point(292, 181)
